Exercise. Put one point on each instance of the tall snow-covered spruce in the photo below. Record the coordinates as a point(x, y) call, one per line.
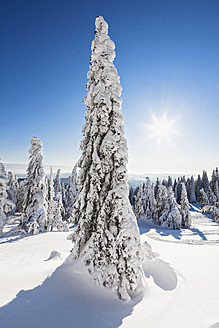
point(35, 208)
point(106, 236)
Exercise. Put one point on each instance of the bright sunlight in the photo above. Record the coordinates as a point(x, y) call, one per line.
point(162, 128)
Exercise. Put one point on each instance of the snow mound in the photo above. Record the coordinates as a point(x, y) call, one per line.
point(55, 255)
point(162, 273)
point(215, 325)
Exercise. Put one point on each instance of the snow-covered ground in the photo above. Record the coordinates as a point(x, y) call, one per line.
point(41, 288)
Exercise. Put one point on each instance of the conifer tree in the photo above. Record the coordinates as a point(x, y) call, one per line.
point(171, 216)
point(161, 204)
point(139, 203)
point(179, 190)
point(54, 218)
point(169, 182)
point(3, 197)
point(198, 187)
point(174, 185)
point(131, 196)
point(59, 207)
point(203, 198)
point(51, 202)
point(165, 183)
point(12, 189)
point(188, 188)
point(106, 236)
point(217, 191)
point(35, 208)
point(71, 195)
point(20, 194)
point(184, 208)
point(156, 188)
point(205, 181)
point(175, 190)
point(212, 199)
point(192, 196)
point(149, 201)
point(57, 183)
point(63, 196)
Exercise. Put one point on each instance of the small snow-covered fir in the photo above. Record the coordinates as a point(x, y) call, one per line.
point(184, 208)
point(71, 195)
point(35, 208)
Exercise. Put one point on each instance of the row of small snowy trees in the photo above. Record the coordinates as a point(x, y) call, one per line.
point(44, 204)
point(167, 203)
point(193, 187)
point(162, 208)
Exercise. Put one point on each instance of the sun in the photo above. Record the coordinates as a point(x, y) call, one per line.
point(162, 128)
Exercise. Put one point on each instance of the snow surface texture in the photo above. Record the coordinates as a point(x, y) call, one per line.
point(106, 235)
point(40, 289)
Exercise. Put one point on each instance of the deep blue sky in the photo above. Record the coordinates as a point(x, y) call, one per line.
point(167, 58)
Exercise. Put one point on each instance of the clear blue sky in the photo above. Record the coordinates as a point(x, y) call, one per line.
point(167, 58)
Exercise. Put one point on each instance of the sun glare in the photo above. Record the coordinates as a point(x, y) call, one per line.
point(162, 128)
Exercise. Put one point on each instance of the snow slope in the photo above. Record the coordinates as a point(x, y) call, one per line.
point(39, 288)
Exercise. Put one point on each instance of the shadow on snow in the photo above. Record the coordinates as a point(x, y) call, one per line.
point(69, 298)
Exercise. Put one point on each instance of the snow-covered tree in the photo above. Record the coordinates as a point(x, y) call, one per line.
point(131, 196)
point(3, 196)
point(169, 182)
point(58, 196)
point(71, 195)
point(54, 217)
point(175, 189)
point(12, 186)
point(51, 202)
point(57, 223)
point(178, 191)
point(139, 203)
point(214, 180)
point(57, 183)
point(9, 206)
point(216, 190)
point(205, 181)
point(188, 188)
point(184, 208)
point(106, 236)
point(63, 196)
point(161, 203)
point(165, 183)
point(213, 209)
point(212, 198)
point(170, 216)
point(192, 196)
point(198, 187)
point(156, 188)
point(203, 198)
point(149, 201)
point(174, 185)
point(20, 194)
point(35, 208)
